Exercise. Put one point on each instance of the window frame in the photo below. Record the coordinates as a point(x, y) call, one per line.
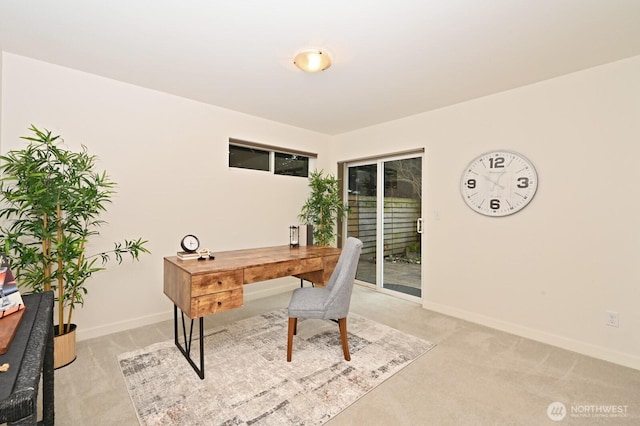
point(259, 159)
point(272, 151)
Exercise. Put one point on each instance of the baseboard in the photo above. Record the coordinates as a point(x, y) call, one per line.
point(573, 345)
point(115, 327)
point(257, 291)
point(253, 293)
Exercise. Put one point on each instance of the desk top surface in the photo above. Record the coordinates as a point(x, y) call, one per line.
point(239, 259)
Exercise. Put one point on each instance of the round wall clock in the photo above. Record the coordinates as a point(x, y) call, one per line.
point(499, 183)
point(190, 243)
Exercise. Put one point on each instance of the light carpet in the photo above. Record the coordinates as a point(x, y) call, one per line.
point(249, 382)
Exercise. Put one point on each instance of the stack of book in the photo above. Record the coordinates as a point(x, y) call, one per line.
point(185, 255)
point(11, 306)
point(12, 301)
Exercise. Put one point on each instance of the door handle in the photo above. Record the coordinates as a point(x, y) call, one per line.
point(419, 225)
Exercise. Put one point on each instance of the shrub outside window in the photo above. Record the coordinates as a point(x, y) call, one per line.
point(291, 165)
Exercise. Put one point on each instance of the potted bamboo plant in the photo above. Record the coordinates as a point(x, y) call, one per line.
point(323, 207)
point(51, 203)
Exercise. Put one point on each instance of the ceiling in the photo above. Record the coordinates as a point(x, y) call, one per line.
point(391, 59)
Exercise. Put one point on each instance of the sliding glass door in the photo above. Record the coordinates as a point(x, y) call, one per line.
point(362, 219)
point(385, 212)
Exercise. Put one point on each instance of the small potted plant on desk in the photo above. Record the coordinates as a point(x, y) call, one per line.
point(52, 200)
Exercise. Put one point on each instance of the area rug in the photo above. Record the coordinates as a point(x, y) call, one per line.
point(249, 382)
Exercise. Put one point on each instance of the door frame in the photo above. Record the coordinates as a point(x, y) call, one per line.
point(379, 161)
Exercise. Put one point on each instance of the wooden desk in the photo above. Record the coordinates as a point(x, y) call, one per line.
point(200, 288)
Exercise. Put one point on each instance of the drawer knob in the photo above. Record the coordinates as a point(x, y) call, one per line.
point(219, 303)
point(219, 282)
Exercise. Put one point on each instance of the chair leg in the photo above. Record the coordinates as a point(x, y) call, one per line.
point(293, 323)
point(342, 323)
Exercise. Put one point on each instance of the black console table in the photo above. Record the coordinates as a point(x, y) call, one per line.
point(30, 353)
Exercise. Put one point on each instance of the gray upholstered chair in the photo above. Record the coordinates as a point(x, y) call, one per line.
point(330, 302)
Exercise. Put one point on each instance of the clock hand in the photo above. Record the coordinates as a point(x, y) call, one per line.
point(495, 182)
point(490, 180)
point(498, 180)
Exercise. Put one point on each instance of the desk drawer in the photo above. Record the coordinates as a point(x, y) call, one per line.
point(281, 269)
point(216, 302)
point(213, 283)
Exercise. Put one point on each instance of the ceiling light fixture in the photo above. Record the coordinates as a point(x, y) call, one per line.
point(312, 60)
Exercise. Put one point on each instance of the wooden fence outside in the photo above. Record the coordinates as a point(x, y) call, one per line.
point(400, 216)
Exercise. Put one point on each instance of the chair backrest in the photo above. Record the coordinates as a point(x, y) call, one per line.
point(340, 284)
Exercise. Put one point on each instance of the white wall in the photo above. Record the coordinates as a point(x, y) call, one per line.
point(1, 74)
point(169, 158)
point(550, 271)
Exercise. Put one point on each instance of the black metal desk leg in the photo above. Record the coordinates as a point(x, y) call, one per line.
point(186, 349)
point(302, 283)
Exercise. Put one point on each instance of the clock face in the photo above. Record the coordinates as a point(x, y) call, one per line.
point(190, 243)
point(499, 183)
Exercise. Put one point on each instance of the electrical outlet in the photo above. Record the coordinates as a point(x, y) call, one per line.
point(612, 319)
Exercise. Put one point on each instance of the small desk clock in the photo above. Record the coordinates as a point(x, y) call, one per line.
point(190, 243)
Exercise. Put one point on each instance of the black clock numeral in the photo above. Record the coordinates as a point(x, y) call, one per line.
point(523, 182)
point(471, 183)
point(496, 163)
point(494, 204)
